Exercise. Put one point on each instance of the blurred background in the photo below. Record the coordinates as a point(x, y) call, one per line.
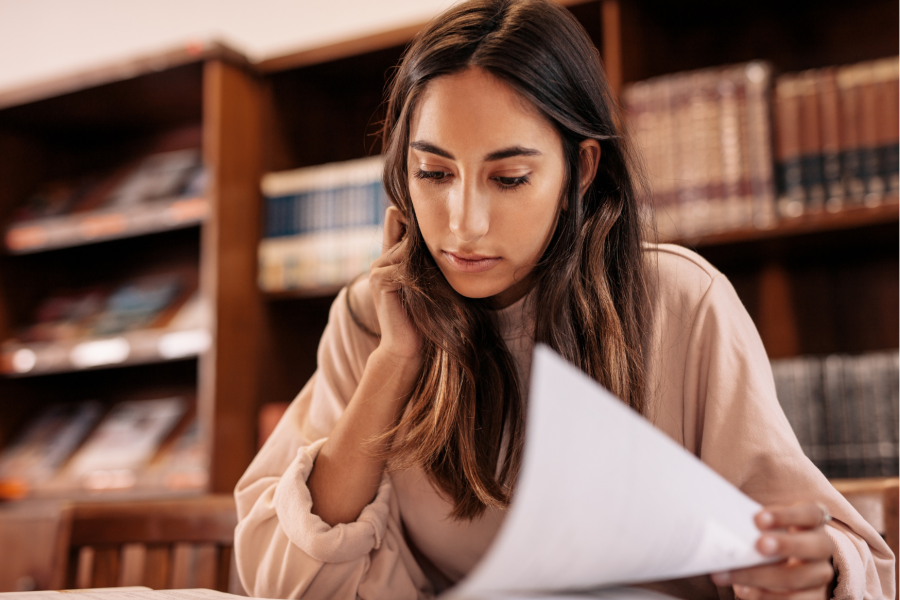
point(185, 187)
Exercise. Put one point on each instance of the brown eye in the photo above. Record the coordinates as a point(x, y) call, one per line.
point(431, 175)
point(508, 183)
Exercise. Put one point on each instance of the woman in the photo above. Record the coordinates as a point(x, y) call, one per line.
point(515, 220)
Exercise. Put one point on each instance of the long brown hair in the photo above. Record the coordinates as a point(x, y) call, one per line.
point(589, 296)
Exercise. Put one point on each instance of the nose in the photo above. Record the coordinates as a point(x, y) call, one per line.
point(469, 213)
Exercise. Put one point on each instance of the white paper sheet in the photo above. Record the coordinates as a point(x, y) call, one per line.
point(605, 499)
point(122, 593)
point(618, 593)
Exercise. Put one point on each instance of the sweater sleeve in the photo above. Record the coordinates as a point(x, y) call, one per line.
point(282, 549)
point(743, 434)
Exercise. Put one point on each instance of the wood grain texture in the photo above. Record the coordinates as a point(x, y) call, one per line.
point(157, 566)
point(39, 535)
point(134, 558)
point(195, 519)
point(611, 18)
point(183, 543)
point(205, 565)
point(182, 566)
point(228, 373)
point(777, 321)
point(106, 566)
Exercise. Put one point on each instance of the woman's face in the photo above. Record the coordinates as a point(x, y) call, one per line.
point(486, 172)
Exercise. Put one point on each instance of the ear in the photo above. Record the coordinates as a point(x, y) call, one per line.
point(589, 157)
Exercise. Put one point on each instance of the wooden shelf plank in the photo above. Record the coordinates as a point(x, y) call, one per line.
point(105, 224)
point(127, 69)
point(355, 46)
point(145, 346)
point(849, 218)
point(314, 292)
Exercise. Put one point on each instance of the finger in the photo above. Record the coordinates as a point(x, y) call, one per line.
point(381, 277)
point(742, 592)
point(807, 514)
point(808, 545)
point(780, 576)
point(394, 227)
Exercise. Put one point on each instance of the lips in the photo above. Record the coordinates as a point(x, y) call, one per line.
point(471, 263)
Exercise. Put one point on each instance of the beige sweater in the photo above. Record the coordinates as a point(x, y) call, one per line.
point(711, 390)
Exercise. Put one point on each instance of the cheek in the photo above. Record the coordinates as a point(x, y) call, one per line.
point(430, 213)
point(533, 221)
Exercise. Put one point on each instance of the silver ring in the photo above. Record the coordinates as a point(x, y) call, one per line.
point(826, 516)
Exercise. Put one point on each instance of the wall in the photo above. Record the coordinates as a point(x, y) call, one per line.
point(42, 39)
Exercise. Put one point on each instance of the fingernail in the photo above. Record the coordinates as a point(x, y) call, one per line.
point(741, 590)
point(722, 578)
point(766, 519)
point(768, 545)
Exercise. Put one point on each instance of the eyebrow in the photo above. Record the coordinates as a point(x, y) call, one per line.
point(496, 155)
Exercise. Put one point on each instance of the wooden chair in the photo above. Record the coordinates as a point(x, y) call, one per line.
point(34, 538)
point(165, 544)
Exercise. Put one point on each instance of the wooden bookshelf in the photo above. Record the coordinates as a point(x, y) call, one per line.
point(333, 95)
point(323, 105)
point(202, 96)
point(105, 224)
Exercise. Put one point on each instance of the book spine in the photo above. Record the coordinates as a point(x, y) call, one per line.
point(761, 211)
point(730, 147)
point(685, 156)
point(787, 391)
point(792, 195)
point(810, 142)
point(888, 73)
point(639, 118)
point(851, 157)
point(712, 151)
point(818, 415)
point(834, 418)
point(829, 124)
point(857, 398)
point(871, 418)
point(868, 135)
point(697, 179)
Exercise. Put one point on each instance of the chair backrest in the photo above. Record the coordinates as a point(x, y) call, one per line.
point(164, 544)
point(34, 537)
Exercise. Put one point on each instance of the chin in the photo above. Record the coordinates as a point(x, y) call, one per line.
point(474, 287)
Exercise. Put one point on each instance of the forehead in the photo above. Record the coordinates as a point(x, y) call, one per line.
point(475, 112)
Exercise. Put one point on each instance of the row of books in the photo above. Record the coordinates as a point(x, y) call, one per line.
point(158, 191)
point(159, 315)
point(844, 411)
point(707, 140)
point(323, 197)
point(323, 224)
point(837, 131)
point(136, 445)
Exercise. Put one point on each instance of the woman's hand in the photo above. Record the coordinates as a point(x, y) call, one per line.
point(796, 533)
point(399, 339)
